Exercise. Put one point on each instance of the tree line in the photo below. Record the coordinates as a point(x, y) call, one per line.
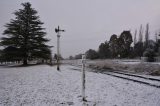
point(124, 46)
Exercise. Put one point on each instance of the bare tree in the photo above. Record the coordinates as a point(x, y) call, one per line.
point(135, 37)
point(156, 37)
point(141, 34)
point(147, 35)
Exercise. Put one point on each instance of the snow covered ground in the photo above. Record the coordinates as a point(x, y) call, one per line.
point(42, 85)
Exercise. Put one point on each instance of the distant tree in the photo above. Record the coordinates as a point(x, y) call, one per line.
point(135, 37)
point(78, 56)
point(71, 57)
point(146, 37)
point(156, 43)
point(150, 54)
point(1, 58)
point(55, 56)
point(91, 54)
point(141, 34)
point(125, 41)
point(152, 44)
point(114, 46)
point(158, 39)
point(138, 46)
point(26, 35)
point(132, 54)
point(104, 51)
point(60, 57)
point(138, 49)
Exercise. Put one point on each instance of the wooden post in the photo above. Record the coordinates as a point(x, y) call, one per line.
point(58, 53)
point(83, 79)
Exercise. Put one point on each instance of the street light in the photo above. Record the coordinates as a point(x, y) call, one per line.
point(58, 30)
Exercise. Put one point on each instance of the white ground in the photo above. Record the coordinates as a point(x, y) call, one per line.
point(44, 86)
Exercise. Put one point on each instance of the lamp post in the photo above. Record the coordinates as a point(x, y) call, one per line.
point(58, 30)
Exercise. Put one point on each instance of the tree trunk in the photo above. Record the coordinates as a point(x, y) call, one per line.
point(25, 62)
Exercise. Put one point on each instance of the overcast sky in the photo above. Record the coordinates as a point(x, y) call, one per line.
point(87, 22)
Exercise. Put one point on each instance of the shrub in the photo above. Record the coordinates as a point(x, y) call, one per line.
point(150, 54)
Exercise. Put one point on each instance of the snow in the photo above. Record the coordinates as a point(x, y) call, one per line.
point(43, 85)
point(137, 78)
point(129, 62)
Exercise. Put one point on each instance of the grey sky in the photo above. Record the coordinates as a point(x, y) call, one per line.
point(87, 22)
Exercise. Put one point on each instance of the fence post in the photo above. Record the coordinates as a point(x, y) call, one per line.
point(83, 79)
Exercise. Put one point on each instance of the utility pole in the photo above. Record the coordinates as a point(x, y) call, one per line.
point(58, 30)
point(83, 79)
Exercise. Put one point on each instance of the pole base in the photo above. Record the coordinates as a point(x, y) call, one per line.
point(84, 100)
point(58, 68)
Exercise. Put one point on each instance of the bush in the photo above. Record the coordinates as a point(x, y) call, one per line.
point(150, 54)
point(92, 54)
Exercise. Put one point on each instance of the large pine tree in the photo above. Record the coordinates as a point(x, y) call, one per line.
point(25, 36)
